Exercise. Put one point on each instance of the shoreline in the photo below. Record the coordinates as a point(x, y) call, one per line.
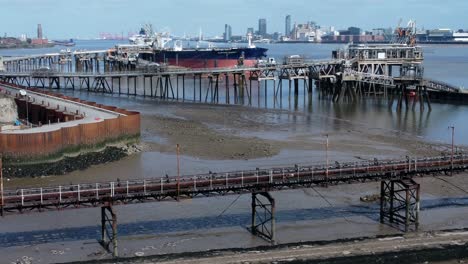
point(64, 165)
point(27, 47)
point(433, 246)
point(70, 161)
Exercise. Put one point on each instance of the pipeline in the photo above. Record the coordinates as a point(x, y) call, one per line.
point(212, 184)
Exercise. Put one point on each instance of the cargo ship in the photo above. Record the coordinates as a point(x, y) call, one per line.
point(196, 57)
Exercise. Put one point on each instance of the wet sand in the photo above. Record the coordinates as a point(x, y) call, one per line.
point(223, 138)
point(219, 132)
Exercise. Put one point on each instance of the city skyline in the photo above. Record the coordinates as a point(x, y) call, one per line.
point(211, 15)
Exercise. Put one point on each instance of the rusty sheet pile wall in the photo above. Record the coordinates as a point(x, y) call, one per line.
point(41, 114)
point(42, 144)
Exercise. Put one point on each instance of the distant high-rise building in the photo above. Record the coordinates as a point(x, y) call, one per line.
point(250, 31)
point(287, 30)
point(354, 31)
point(227, 32)
point(39, 31)
point(262, 27)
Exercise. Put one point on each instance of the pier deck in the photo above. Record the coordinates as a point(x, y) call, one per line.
point(392, 70)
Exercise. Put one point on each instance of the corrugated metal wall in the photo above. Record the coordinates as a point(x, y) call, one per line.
point(46, 143)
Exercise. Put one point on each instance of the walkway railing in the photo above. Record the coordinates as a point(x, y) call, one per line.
point(440, 86)
point(212, 184)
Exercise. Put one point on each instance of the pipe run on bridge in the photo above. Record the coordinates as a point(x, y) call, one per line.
point(399, 193)
point(399, 207)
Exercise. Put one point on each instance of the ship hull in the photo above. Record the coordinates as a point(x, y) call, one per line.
point(205, 58)
point(209, 63)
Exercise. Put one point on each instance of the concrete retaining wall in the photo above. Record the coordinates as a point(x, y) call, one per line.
point(8, 110)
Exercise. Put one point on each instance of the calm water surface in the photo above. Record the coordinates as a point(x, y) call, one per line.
point(447, 63)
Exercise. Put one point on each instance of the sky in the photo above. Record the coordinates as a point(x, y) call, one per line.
point(87, 18)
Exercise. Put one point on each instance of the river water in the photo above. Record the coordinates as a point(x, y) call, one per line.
point(448, 63)
point(200, 224)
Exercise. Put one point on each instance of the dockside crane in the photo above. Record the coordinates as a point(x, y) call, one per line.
point(405, 35)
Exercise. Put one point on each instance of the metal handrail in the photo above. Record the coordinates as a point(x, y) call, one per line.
point(106, 187)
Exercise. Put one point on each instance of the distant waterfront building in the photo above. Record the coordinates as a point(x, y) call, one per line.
point(305, 32)
point(237, 38)
point(442, 34)
point(40, 40)
point(460, 36)
point(353, 31)
point(39, 31)
point(23, 37)
point(250, 31)
point(262, 27)
point(227, 32)
point(276, 36)
point(287, 30)
point(378, 31)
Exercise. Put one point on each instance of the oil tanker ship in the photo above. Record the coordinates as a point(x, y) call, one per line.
point(207, 57)
point(195, 57)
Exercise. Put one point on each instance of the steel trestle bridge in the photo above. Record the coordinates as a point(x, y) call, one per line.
point(399, 198)
point(215, 184)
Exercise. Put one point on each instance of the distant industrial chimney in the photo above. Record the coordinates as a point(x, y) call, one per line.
point(39, 31)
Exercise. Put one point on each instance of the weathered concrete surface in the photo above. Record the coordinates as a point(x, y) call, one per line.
point(2, 67)
point(8, 110)
point(90, 113)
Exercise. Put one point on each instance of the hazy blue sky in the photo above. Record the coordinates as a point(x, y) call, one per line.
point(86, 18)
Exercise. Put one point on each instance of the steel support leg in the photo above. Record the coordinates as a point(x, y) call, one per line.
point(399, 203)
point(108, 237)
point(263, 217)
point(1, 188)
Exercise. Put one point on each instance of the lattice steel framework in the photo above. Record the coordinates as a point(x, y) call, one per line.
point(399, 203)
point(263, 216)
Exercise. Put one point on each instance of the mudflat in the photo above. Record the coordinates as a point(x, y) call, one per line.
point(231, 132)
point(235, 137)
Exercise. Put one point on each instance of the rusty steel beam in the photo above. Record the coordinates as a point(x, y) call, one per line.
point(109, 237)
point(399, 203)
point(214, 184)
point(1, 187)
point(263, 216)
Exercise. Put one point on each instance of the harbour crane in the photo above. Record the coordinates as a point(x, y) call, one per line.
point(405, 35)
